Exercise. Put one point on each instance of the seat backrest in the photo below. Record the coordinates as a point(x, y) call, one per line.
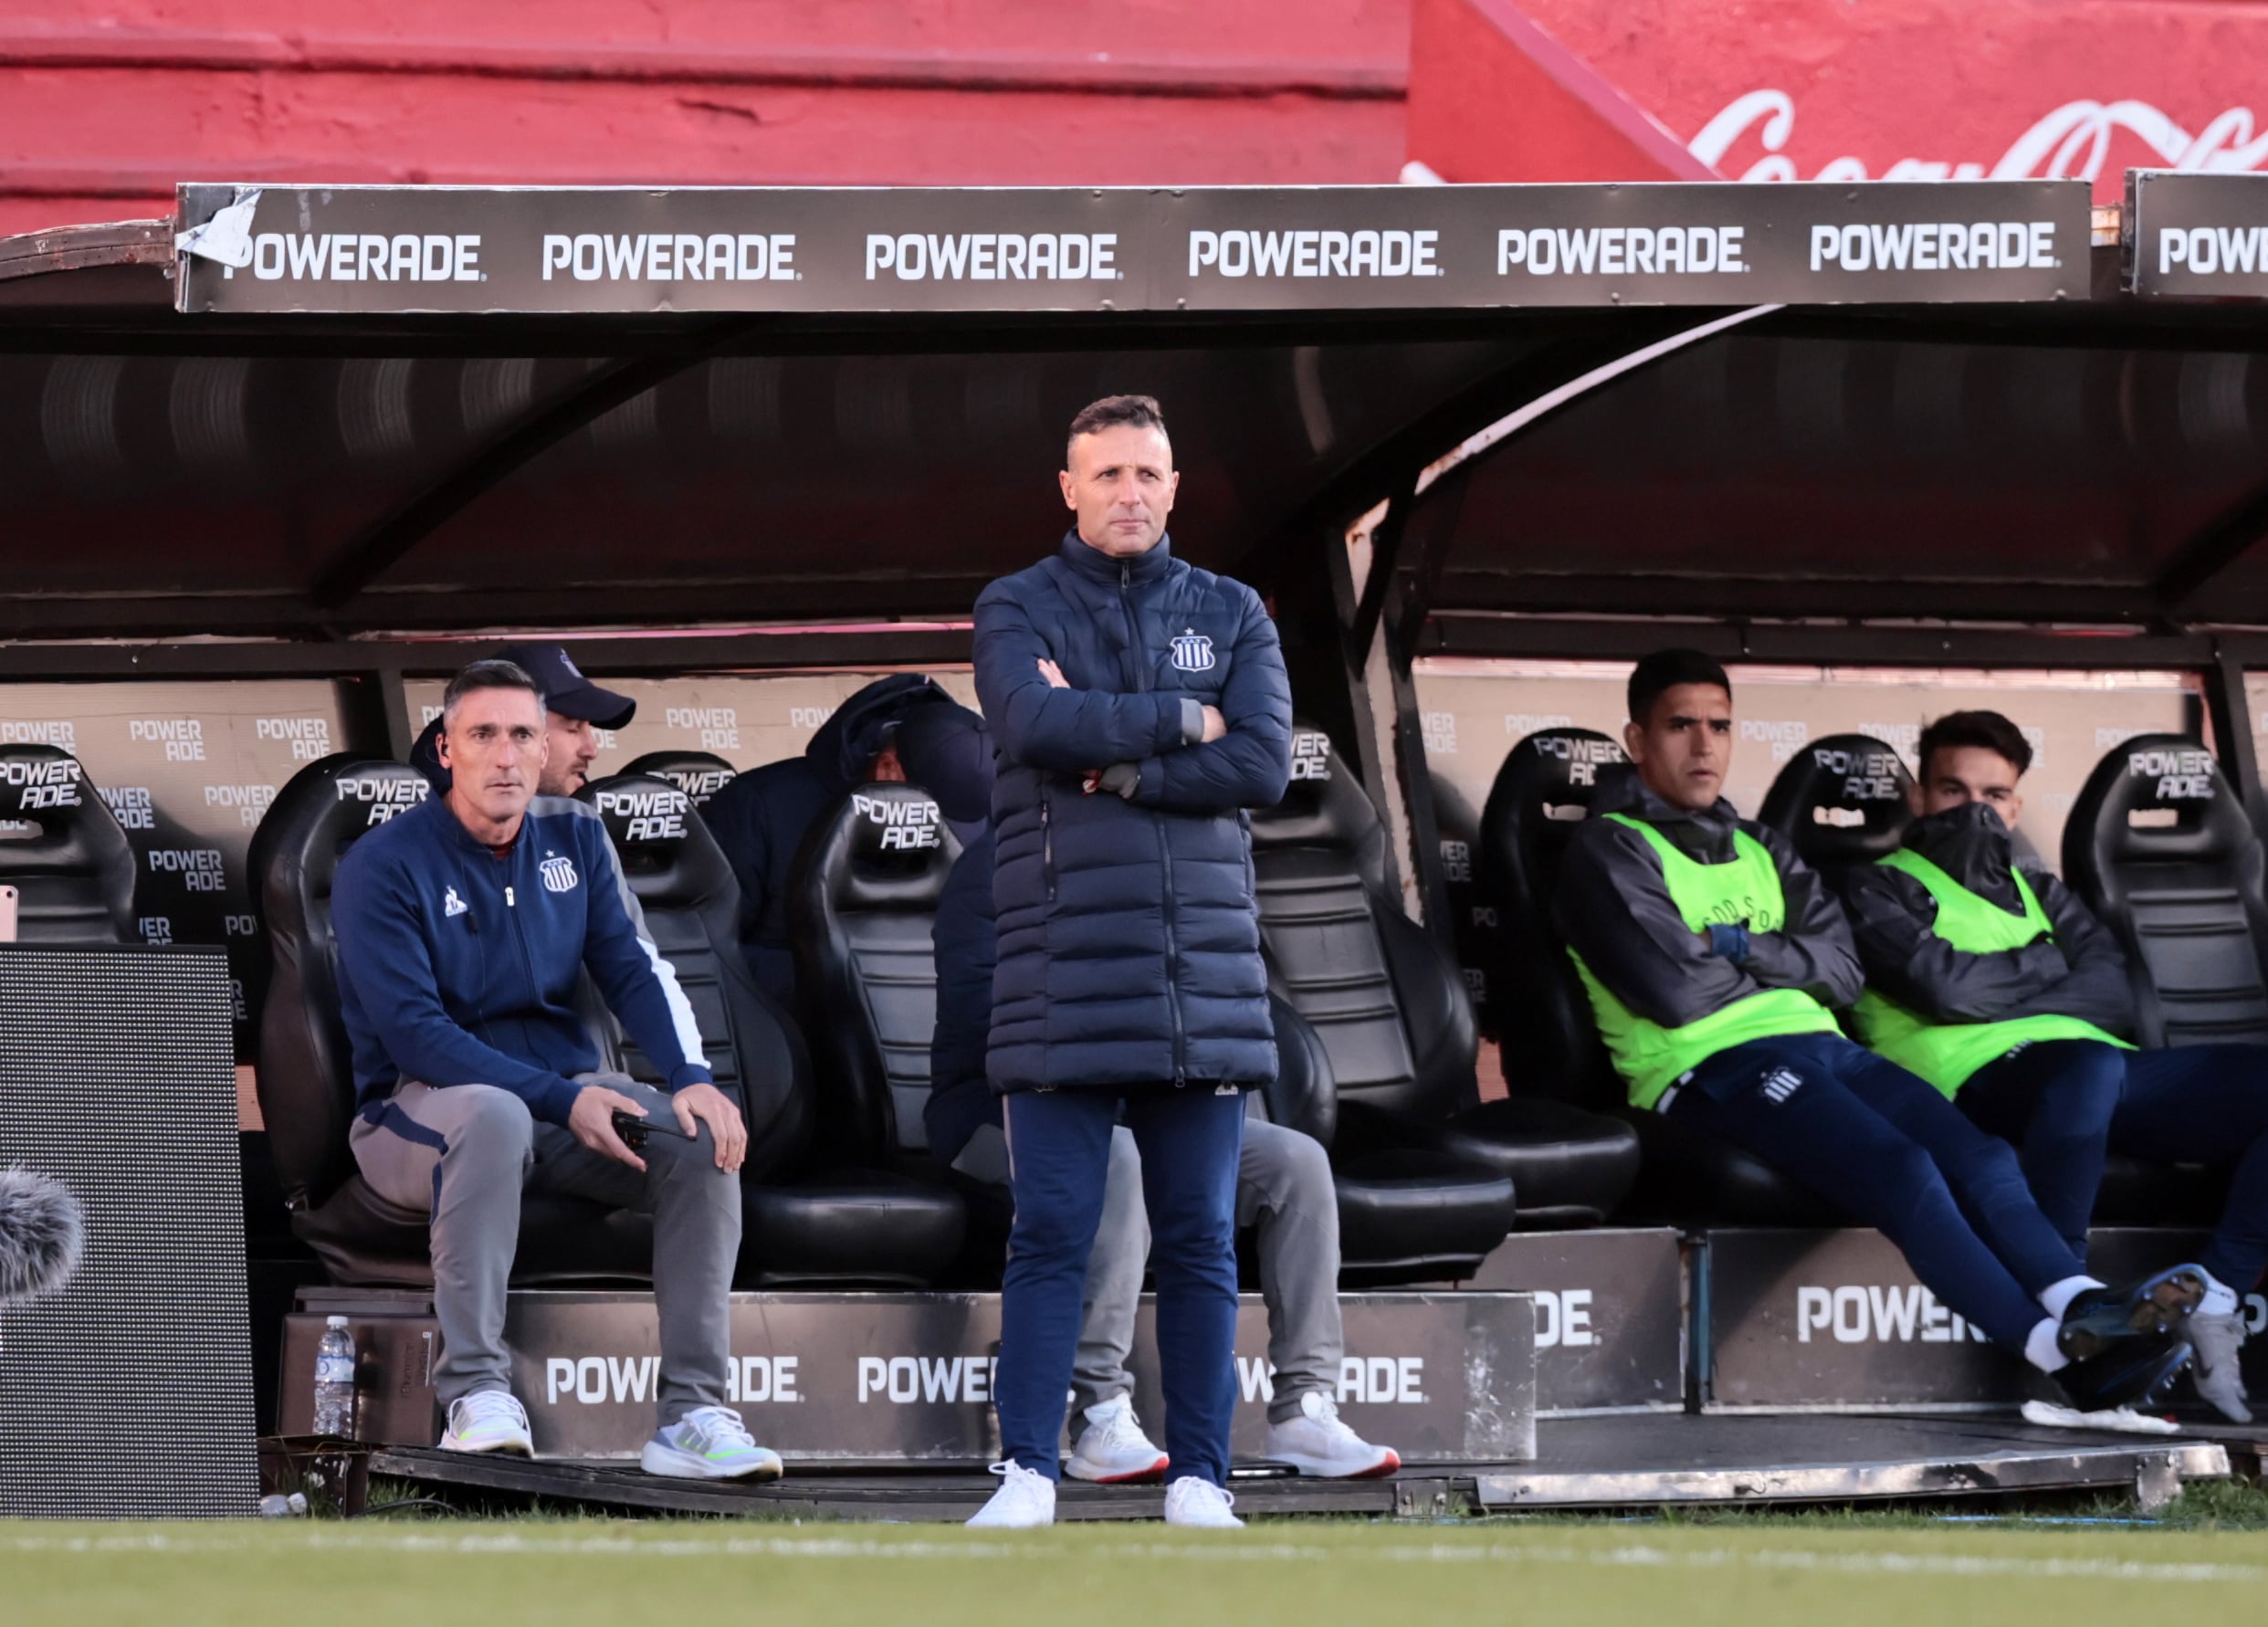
point(699, 774)
point(1840, 802)
point(74, 872)
point(306, 1074)
point(862, 900)
point(1540, 798)
point(1386, 1001)
point(686, 890)
point(2158, 844)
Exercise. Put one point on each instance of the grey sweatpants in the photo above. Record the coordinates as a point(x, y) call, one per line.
point(1283, 1190)
point(465, 1155)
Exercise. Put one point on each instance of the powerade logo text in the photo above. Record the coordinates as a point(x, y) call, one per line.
point(1583, 757)
point(717, 727)
point(309, 737)
point(131, 806)
point(1315, 254)
point(671, 257)
point(58, 732)
point(2209, 251)
point(1620, 251)
point(1952, 246)
point(2183, 774)
point(1310, 756)
point(182, 737)
point(250, 802)
point(995, 257)
point(48, 785)
point(905, 824)
point(385, 798)
point(200, 868)
point(1866, 776)
point(1875, 1313)
point(646, 815)
point(698, 784)
point(365, 256)
point(1388, 1380)
point(595, 1380)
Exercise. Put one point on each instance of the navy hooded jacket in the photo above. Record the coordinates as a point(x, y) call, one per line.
point(761, 817)
point(1129, 935)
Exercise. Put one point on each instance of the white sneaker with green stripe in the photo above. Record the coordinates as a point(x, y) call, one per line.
point(709, 1444)
point(488, 1421)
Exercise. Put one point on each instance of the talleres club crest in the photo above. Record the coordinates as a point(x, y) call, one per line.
point(1192, 651)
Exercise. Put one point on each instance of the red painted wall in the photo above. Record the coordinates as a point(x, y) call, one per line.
point(1786, 89)
point(104, 104)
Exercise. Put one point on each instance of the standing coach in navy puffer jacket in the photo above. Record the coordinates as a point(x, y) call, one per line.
point(1139, 707)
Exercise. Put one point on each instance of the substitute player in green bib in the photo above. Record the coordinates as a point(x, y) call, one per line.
point(1715, 961)
point(2001, 990)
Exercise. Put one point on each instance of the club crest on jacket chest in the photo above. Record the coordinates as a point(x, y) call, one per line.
point(1192, 651)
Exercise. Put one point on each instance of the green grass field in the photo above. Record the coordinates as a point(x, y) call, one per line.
point(1744, 1571)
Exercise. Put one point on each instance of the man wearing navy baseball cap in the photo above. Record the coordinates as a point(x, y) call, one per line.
point(574, 708)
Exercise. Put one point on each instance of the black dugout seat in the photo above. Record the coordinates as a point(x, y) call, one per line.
point(1409, 1211)
point(306, 1077)
point(699, 774)
point(1390, 1009)
point(1540, 798)
point(834, 1223)
point(861, 902)
point(2158, 846)
point(74, 874)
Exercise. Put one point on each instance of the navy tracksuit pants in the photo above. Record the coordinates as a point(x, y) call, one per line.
point(2066, 1103)
point(1189, 1138)
point(1890, 1150)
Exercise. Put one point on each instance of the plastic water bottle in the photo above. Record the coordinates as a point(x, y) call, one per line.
point(334, 1381)
point(283, 1505)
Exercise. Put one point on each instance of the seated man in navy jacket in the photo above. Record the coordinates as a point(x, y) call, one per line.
point(464, 927)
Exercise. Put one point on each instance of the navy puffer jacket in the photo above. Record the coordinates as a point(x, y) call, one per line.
point(1129, 939)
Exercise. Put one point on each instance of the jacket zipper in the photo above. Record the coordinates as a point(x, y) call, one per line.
point(519, 937)
point(1165, 844)
point(1047, 848)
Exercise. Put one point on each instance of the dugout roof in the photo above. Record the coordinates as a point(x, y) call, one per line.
point(349, 410)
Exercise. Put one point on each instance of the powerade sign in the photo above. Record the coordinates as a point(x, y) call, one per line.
point(623, 249)
point(2197, 235)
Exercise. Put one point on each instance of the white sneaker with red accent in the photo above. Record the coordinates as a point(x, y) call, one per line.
point(1112, 1449)
point(1316, 1442)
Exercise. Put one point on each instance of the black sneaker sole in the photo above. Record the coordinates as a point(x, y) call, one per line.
point(2127, 1376)
point(2159, 1304)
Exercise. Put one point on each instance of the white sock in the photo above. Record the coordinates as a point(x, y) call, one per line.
point(2056, 1298)
point(2040, 1347)
point(2220, 1299)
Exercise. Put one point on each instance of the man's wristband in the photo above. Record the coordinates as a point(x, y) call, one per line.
point(1728, 942)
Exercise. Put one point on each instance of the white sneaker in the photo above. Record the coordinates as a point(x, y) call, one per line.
point(1026, 1497)
point(2215, 1342)
point(1199, 1503)
point(709, 1444)
point(1112, 1449)
point(489, 1421)
point(1316, 1442)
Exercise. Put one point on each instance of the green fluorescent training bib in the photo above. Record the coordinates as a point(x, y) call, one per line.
point(1745, 891)
point(1946, 1054)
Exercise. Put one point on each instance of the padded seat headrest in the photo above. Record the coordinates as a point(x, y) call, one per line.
point(1841, 800)
point(699, 774)
point(1324, 805)
point(318, 814)
point(666, 853)
point(2159, 797)
point(76, 866)
point(1545, 785)
point(885, 847)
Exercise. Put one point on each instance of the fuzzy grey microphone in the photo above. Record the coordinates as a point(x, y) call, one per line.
point(42, 1234)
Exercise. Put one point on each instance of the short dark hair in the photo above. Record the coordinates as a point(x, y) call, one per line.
point(1986, 730)
point(1139, 412)
point(488, 675)
point(1666, 670)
